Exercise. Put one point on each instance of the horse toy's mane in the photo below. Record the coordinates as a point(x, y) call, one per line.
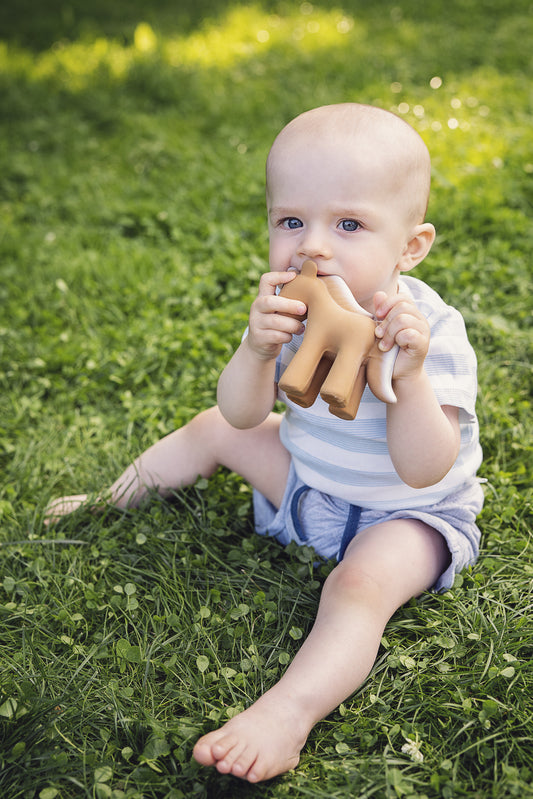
point(339, 353)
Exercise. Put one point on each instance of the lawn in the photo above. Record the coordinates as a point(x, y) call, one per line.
point(133, 137)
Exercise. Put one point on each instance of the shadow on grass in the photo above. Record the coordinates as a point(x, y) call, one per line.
point(38, 27)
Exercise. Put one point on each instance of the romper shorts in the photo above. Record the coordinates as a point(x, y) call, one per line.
point(328, 524)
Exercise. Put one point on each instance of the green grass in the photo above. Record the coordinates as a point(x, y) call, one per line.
point(133, 233)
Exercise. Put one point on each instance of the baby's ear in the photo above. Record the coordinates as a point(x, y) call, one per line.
point(419, 244)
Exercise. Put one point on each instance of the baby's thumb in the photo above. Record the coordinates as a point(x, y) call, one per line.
point(380, 298)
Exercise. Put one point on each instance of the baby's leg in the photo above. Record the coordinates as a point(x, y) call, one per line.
point(384, 566)
point(197, 450)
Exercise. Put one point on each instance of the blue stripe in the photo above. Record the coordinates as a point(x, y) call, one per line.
point(374, 433)
point(339, 474)
point(447, 365)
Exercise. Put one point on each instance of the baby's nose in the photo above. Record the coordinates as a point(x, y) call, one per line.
point(315, 244)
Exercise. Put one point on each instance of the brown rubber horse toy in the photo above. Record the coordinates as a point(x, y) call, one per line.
point(339, 353)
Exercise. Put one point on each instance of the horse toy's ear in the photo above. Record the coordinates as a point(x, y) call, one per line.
point(339, 352)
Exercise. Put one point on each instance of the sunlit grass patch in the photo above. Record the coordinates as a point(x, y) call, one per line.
point(248, 31)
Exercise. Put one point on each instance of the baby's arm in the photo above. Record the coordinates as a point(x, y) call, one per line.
point(246, 388)
point(423, 437)
point(246, 392)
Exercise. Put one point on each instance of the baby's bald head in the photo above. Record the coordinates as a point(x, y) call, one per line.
point(376, 134)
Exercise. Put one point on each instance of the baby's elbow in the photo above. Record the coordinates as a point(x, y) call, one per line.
point(413, 482)
point(233, 418)
point(424, 478)
point(239, 423)
point(241, 418)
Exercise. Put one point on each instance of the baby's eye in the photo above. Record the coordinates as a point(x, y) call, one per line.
point(291, 223)
point(349, 225)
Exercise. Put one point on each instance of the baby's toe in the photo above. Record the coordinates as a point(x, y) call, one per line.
point(244, 762)
point(233, 758)
point(203, 753)
point(218, 749)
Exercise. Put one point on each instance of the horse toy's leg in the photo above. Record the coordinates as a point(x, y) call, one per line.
point(348, 410)
point(339, 388)
point(301, 378)
point(305, 396)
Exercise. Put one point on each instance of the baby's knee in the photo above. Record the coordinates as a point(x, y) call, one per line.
point(351, 582)
point(207, 421)
point(210, 428)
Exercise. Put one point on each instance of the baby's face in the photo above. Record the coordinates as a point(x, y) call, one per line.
point(343, 208)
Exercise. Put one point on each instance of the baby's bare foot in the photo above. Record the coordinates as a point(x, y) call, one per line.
point(261, 742)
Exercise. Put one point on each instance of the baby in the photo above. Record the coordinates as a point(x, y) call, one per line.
point(393, 494)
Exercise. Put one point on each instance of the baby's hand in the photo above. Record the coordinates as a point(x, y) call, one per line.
point(401, 323)
point(269, 326)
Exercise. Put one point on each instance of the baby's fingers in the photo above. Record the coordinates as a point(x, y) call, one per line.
point(381, 306)
point(269, 281)
point(411, 340)
point(395, 314)
point(269, 301)
point(404, 329)
point(279, 313)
